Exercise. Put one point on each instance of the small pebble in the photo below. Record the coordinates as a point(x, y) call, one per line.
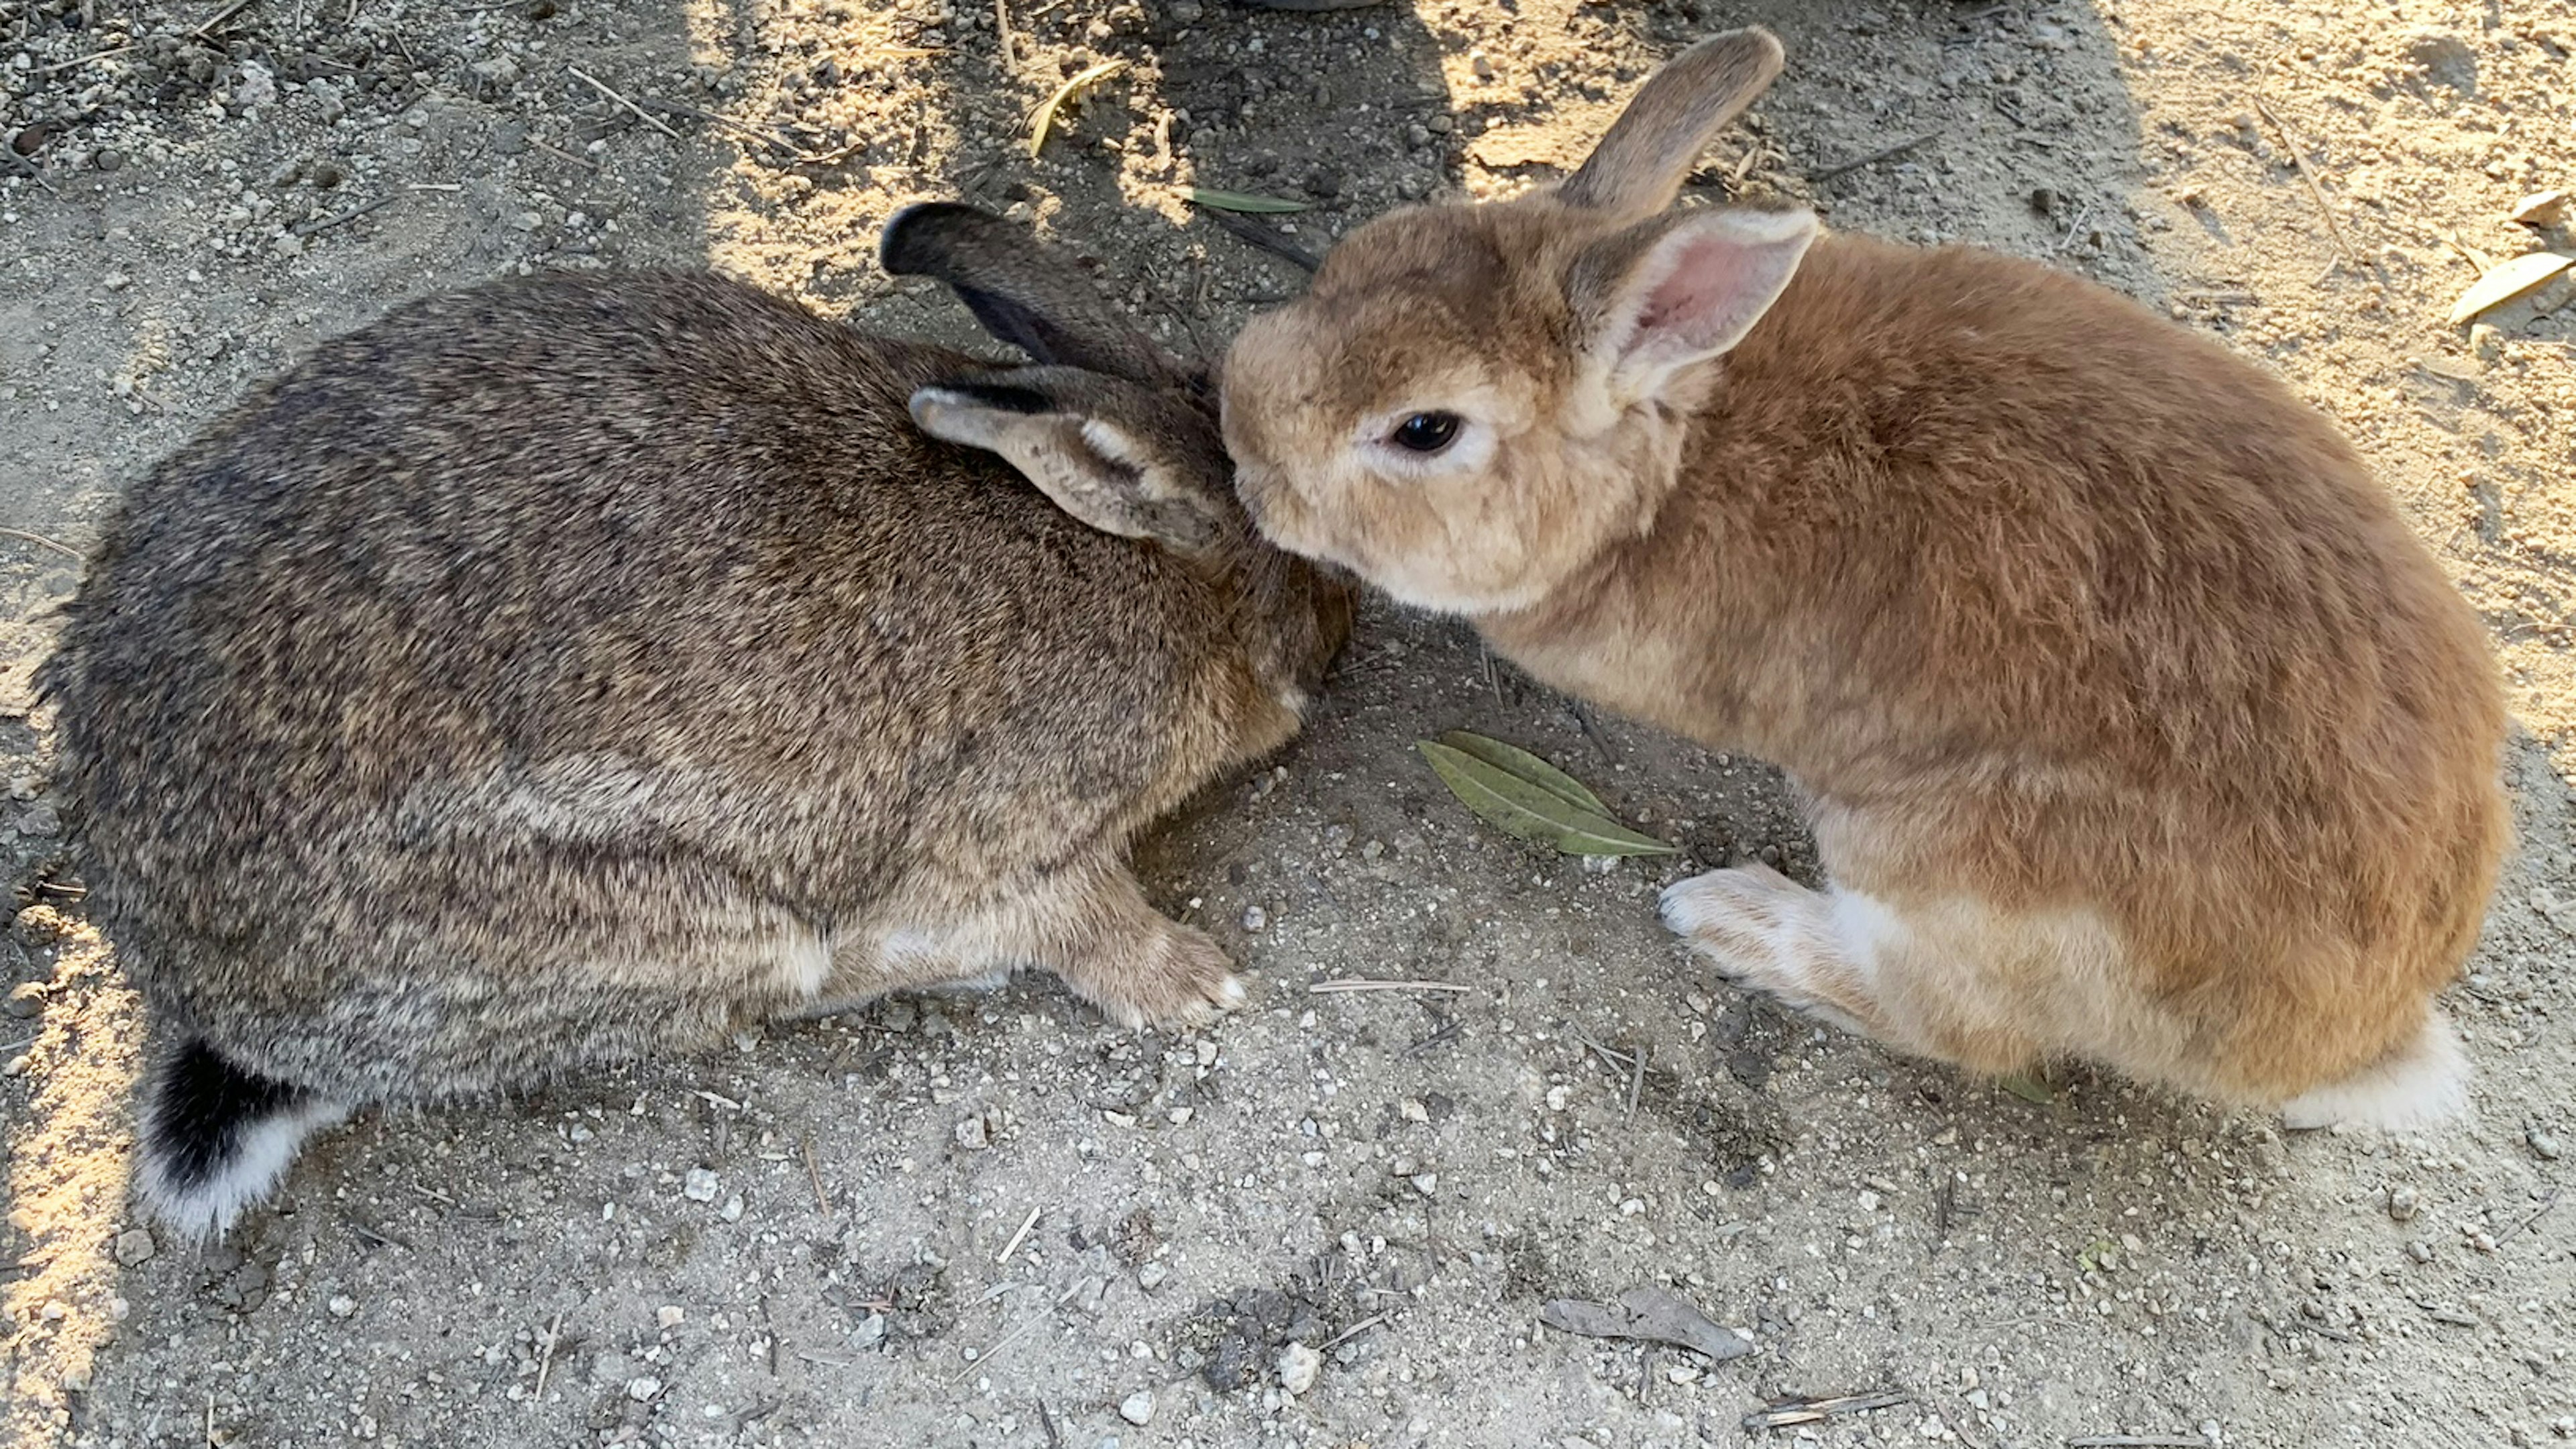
point(2541, 209)
point(2403, 1204)
point(642, 1390)
point(975, 1133)
point(342, 1305)
point(2420, 1251)
point(25, 999)
point(135, 1247)
point(699, 1186)
point(670, 1315)
point(732, 1210)
point(1151, 1276)
point(1138, 1408)
point(2543, 1142)
point(1254, 918)
point(1298, 1366)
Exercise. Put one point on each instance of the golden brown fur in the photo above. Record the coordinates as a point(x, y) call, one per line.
point(2136, 723)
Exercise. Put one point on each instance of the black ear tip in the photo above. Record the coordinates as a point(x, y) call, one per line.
point(911, 244)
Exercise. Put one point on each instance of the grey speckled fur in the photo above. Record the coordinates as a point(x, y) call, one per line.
point(568, 668)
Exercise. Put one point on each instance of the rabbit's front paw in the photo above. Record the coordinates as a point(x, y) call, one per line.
point(1174, 976)
point(1767, 933)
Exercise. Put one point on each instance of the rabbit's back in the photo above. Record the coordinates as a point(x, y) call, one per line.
point(2140, 613)
point(611, 594)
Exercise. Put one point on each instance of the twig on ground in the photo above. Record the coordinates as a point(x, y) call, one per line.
point(1355, 983)
point(218, 18)
point(2137, 1441)
point(79, 61)
point(1448, 1030)
point(1884, 153)
point(1636, 1077)
point(2517, 1230)
point(1354, 1331)
point(1263, 236)
point(546, 1356)
point(2308, 174)
point(1615, 1061)
point(28, 168)
point(343, 218)
point(716, 118)
point(1013, 1245)
point(1592, 731)
point(641, 114)
point(1046, 1420)
point(2074, 229)
point(978, 1363)
point(376, 1235)
point(44, 542)
point(814, 1171)
point(583, 162)
point(1002, 30)
point(1791, 1412)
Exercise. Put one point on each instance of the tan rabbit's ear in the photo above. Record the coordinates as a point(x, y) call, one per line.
point(1124, 459)
point(1640, 165)
point(1022, 291)
point(1666, 293)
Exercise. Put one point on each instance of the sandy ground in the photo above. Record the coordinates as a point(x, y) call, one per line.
point(817, 1238)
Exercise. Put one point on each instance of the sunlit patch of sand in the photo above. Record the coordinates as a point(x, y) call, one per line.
point(67, 1172)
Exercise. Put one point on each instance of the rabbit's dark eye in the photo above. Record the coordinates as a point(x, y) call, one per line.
point(1426, 432)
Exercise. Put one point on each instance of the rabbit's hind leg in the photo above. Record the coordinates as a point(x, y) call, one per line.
point(1087, 922)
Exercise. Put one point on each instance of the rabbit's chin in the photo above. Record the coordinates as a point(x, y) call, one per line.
point(2424, 1084)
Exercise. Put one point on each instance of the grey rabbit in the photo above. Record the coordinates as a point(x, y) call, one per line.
point(571, 668)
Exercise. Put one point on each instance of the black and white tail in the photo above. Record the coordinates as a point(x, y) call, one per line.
point(215, 1139)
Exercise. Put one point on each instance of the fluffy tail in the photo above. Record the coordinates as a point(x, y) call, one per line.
point(2420, 1084)
point(215, 1139)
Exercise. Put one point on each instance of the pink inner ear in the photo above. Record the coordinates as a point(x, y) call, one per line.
point(1715, 283)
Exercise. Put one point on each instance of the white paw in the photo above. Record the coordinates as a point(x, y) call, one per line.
point(1736, 917)
point(1760, 929)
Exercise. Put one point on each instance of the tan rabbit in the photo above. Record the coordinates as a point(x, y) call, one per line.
point(2135, 724)
point(567, 669)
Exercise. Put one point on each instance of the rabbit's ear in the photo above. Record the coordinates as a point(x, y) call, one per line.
point(1678, 290)
point(1124, 459)
point(1640, 165)
point(1023, 292)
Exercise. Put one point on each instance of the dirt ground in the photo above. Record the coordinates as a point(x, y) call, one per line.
point(996, 1221)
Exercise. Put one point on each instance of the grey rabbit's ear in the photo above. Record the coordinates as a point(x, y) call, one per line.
point(1136, 461)
point(1638, 168)
point(1023, 292)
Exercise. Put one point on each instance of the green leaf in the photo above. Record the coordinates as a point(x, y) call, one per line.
point(1530, 811)
point(2029, 1089)
point(1243, 201)
point(1513, 760)
point(1065, 95)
